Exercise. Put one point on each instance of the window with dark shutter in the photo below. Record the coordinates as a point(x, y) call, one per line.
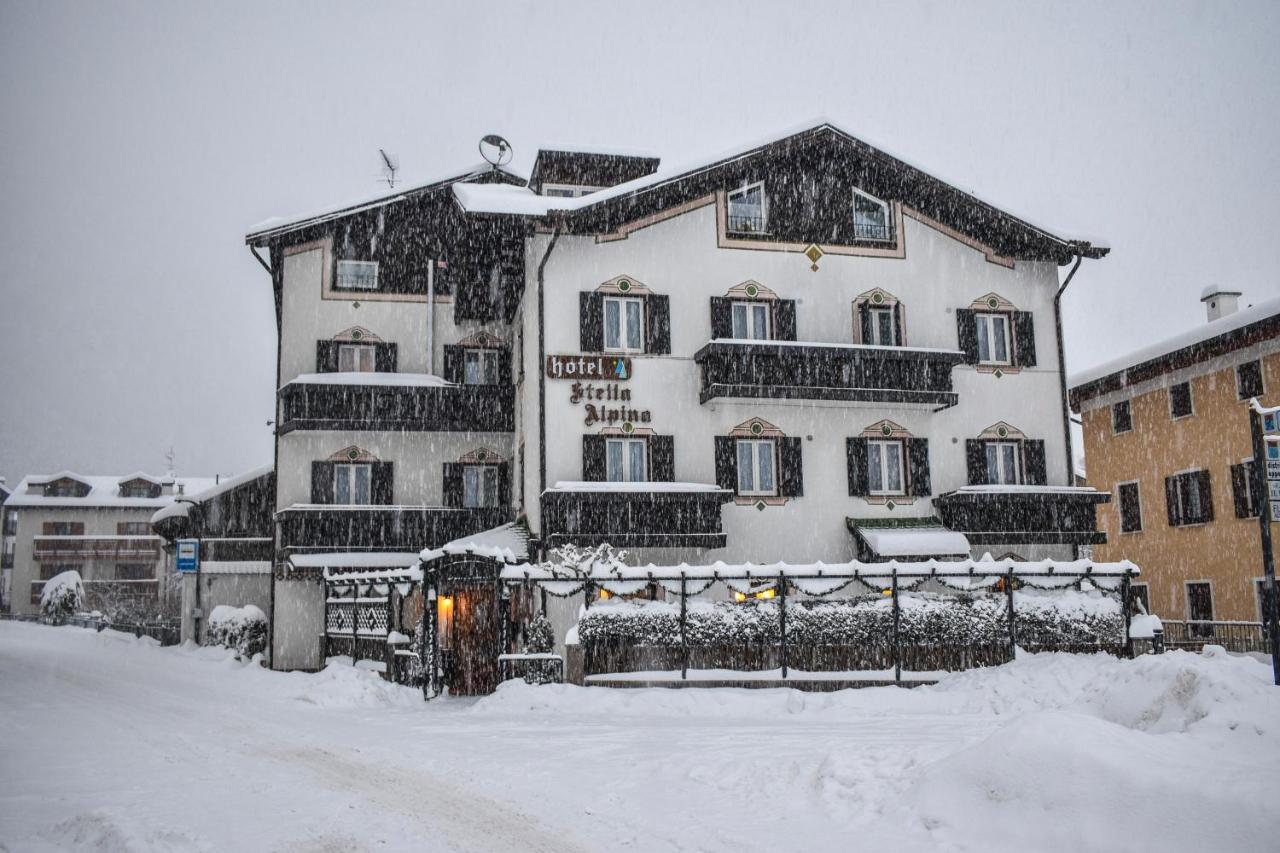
point(591, 322)
point(856, 461)
point(726, 462)
point(1249, 380)
point(593, 458)
point(1180, 400)
point(322, 482)
point(918, 481)
point(1033, 465)
point(1024, 339)
point(1121, 417)
point(784, 320)
point(1242, 496)
point(662, 458)
point(967, 328)
point(1190, 498)
point(383, 484)
point(384, 358)
point(326, 356)
point(721, 318)
point(454, 356)
point(1130, 508)
point(451, 485)
point(975, 454)
point(790, 468)
point(657, 325)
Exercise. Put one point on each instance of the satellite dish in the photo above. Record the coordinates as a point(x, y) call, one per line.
point(390, 164)
point(495, 150)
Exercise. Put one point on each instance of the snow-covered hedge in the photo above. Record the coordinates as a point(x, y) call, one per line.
point(62, 596)
point(243, 629)
point(1065, 618)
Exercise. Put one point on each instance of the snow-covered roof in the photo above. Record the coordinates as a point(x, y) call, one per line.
point(508, 544)
point(177, 509)
point(372, 200)
point(1191, 337)
point(607, 486)
point(104, 491)
point(499, 198)
point(226, 484)
point(355, 560)
point(914, 541)
point(417, 380)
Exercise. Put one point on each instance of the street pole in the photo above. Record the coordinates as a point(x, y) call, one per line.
point(1261, 489)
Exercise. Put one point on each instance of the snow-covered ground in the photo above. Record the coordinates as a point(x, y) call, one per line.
point(110, 743)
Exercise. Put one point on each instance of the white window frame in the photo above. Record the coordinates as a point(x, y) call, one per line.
point(567, 190)
point(349, 471)
point(1262, 377)
point(486, 358)
point(749, 310)
point(876, 340)
point(754, 474)
point(989, 319)
point(627, 474)
point(1017, 462)
point(1191, 398)
point(359, 354)
point(883, 446)
point(764, 209)
point(888, 217)
point(357, 271)
point(1129, 405)
point(1142, 522)
point(624, 327)
point(479, 486)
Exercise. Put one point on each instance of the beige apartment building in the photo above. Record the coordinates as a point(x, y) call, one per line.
point(1167, 432)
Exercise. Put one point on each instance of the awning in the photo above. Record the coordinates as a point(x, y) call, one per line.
point(913, 541)
point(356, 560)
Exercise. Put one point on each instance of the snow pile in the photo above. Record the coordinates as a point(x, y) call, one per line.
point(243, 629)
point(341, 685)
point(62, 596)
point(102, 830)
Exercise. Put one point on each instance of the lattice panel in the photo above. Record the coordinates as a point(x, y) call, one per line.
point(338, 619)
point(373, 618)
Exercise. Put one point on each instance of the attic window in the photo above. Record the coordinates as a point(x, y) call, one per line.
point(358, 275)
point(870, 217)
point(566, 190)
point(749, 209)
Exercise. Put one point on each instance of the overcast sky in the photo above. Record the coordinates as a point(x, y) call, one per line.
point(138, 142)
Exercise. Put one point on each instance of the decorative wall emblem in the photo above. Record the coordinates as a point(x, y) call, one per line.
point(814, 254)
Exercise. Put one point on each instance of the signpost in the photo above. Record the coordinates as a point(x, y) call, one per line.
point(1265, 426)
point(188, 555)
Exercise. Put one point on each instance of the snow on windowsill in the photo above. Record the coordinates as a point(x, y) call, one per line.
point(829, 345)
point(605, 486)
point(1010, 489)
point(417, 380)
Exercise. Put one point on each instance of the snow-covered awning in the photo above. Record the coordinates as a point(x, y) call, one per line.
point(355, 560)
point(406, 380)
point(914, 541)
point(508, 543)
point(611, 486)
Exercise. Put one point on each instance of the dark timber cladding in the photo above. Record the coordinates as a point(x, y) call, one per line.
point(447, 408)
point(1035, 518)
point(381, 528)
point(588, 169)
point(649, 519)
point(811, 177)
point(817, 372)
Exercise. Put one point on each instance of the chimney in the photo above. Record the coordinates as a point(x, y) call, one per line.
point(1219, 301)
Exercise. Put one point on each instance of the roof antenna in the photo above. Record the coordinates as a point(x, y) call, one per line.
point(495, 150)
point(390, 165)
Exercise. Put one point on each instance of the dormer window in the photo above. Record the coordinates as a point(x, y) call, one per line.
point(870, 217)
point(749, 209)
point(357, 275)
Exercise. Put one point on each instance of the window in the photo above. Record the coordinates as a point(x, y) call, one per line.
point(1002, 463)
point(625, 460)
point(1200, 608)
point(1246, 502)
point(1189, 498)
point(756, 467)
point(133, 528)
point(1121, 417)
point(566, 190)
point(623, 324)
point(751, 321)
point(1139, 599)
point(480, 367)
point(358, 275)
point(356, 358)
point(883, 329)
point(136, 490)
point(135, 571)
point(351, 484)
point(1249, 380)
point(993, 338)
point(884, 468)
point(1180, 400)
point(1130, 508)
point(748, 209)
point(479, 486)
point(64, 528)
point(870, 217)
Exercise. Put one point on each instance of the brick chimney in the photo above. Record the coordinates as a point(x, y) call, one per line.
point(1219, 301)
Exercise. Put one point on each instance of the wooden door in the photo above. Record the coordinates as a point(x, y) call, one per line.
point(475, 641)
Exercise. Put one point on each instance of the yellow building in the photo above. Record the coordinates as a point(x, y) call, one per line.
point(1166, 431)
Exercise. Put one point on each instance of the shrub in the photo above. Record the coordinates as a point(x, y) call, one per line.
point(62, 596)
point(540, 639)
point(242, 629)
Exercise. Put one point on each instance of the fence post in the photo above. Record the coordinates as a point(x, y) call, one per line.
point(897, 644)
point(684, 640)
point(355, 623)
point(1013, 619)
point(1124, 605)
point(782, 622)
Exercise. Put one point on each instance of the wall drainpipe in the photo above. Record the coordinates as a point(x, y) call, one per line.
point(542, 373)
point(1062, 379)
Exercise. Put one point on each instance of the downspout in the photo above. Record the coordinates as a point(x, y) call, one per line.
point(278, 298)
point(1062, 379)
point(431, 315)
point(542, 372)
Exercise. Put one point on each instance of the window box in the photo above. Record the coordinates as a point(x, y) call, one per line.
point(634, 515)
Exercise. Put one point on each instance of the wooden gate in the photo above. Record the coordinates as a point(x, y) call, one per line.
point(474, 640)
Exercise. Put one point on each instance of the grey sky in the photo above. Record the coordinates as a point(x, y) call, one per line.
point(139, 142)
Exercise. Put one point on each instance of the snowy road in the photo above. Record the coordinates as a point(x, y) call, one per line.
point(112, 744)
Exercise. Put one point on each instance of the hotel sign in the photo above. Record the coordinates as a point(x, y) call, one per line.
point(613, 368)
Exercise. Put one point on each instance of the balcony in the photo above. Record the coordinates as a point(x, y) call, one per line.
point(634, 515)
point(96, 547)
point(903, 376)
point(403, 402)
point(1032, 515)
point(318, 527)
point(6, 560)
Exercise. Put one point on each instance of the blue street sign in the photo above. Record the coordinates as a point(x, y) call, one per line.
point(188, 555)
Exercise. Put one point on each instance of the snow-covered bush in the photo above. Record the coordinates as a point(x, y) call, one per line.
point(1054, 619)
point(242, 629)
point(62, 596)
point(540, 639)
